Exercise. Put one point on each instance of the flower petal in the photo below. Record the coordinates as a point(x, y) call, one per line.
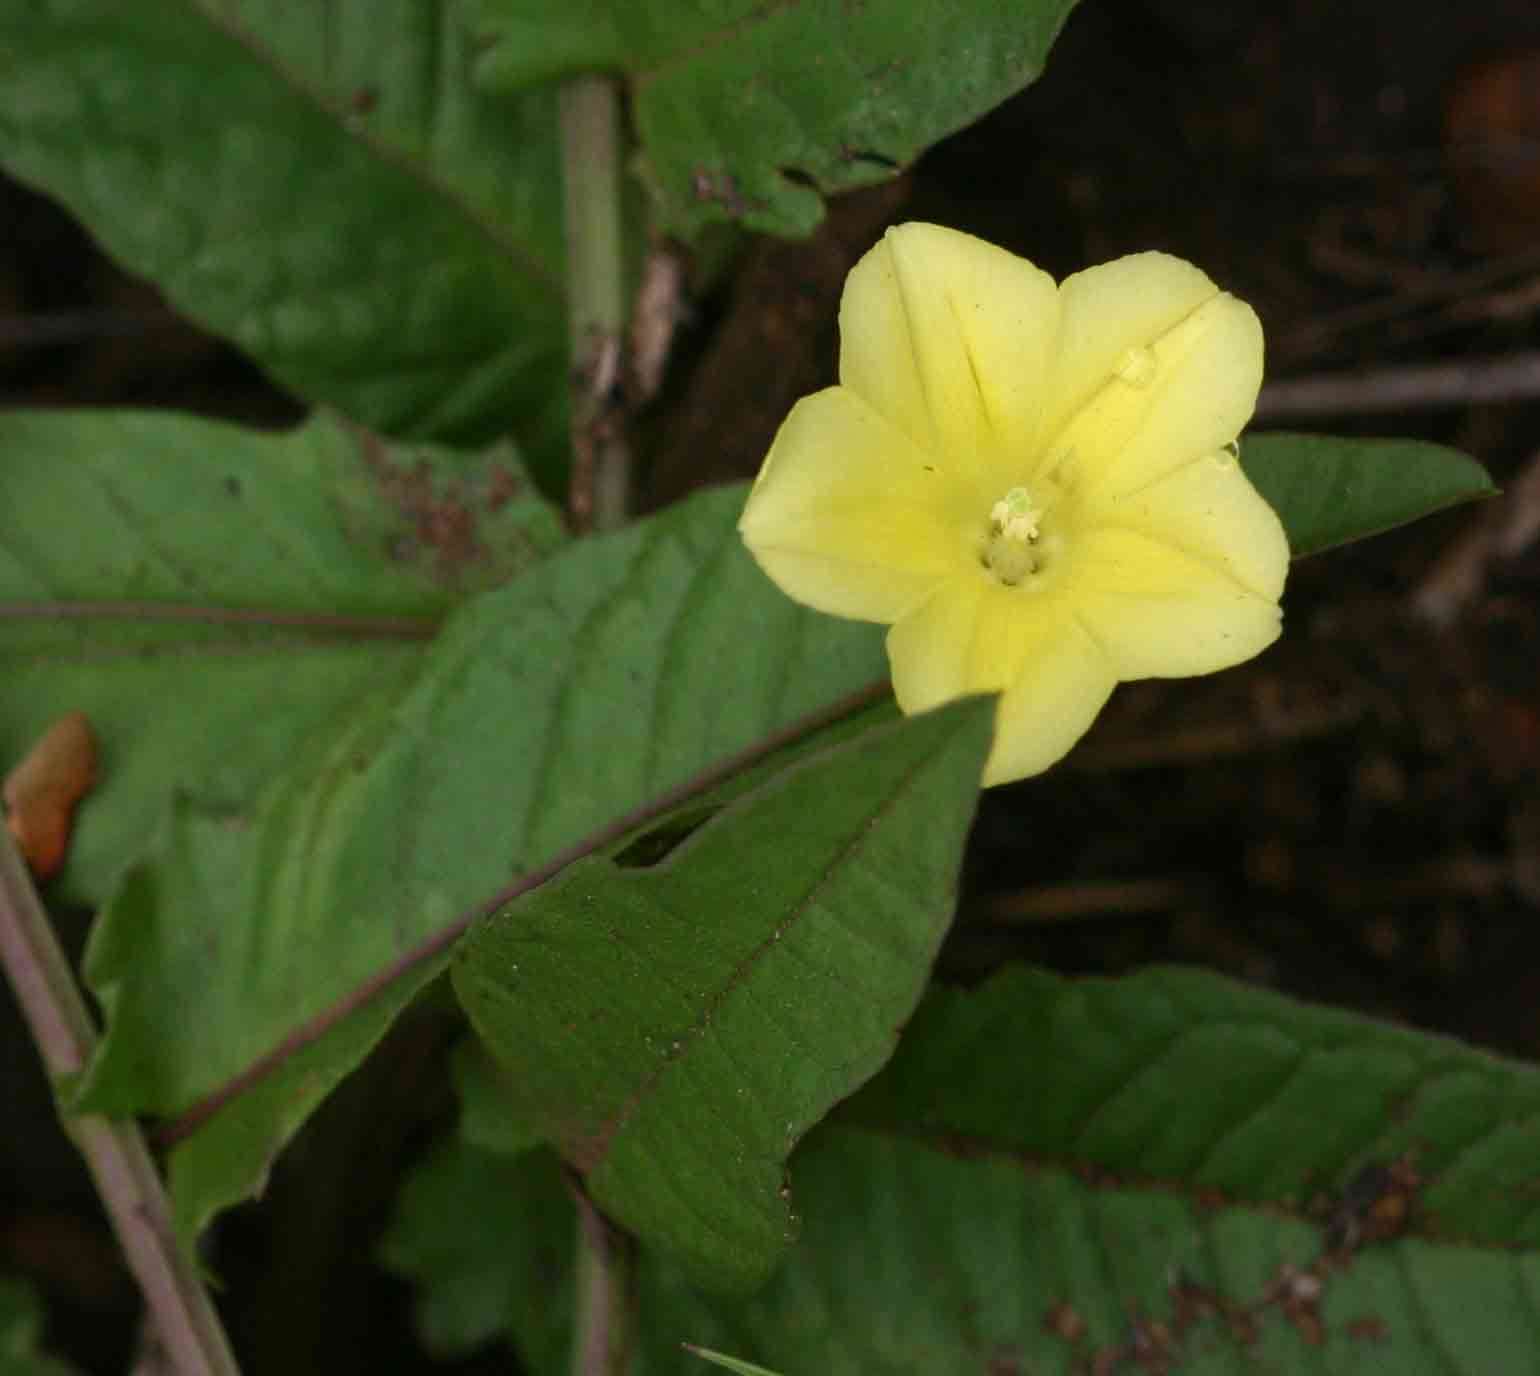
point(1210, 510)
point(1159, 612)
point(847, 516)
point(974, 636)
point(1064, 682)
point(1176, 396)
point(951, 339)
point(1109, 310)
point(965, 638)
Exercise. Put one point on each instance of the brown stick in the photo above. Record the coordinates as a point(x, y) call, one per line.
point(114, 1149)
point(1506, 378)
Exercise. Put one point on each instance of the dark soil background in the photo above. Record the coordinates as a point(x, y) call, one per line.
point(1354, 818)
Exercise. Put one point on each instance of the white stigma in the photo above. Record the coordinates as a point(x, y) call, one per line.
point(1014, 516)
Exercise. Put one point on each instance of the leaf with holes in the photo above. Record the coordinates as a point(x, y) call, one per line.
point(1328, 490)
point(293, 926)
point(215, 600)
point(754, 112)
point(325, 189)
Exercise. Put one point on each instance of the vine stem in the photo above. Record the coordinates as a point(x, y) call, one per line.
point(598, 492)
point(604, 1270)
point(114, 1149)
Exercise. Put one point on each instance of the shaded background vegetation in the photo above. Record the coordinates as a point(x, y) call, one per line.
point(1354, 818)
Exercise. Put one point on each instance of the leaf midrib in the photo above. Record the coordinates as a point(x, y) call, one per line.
point(599, 1142)
point(971, 1147)
point(298, 627)
point(517, 254)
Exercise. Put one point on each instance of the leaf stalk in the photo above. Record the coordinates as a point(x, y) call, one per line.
point(598, 492)
point(605, 1269)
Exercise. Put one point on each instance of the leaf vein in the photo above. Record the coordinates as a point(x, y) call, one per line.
point(235, 29)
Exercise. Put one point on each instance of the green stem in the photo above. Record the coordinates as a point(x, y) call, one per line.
point(114, 1149)
point(605, 1265)
point(596, 296)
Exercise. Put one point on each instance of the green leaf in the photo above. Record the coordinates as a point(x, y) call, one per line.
point(314, 562)
point(295, 927)
point(675, 1030)
point(753, 112)
point(21, 1332)
point(330, 194)
point(320, 560)
point(1328, 490)
point(494, 1234)
point(489, 1114)
point(916, 1260)
point(1186, 1079)
point(731, 1363)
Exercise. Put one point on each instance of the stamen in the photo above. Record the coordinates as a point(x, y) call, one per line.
point(1013, 531)
point(1014, 516)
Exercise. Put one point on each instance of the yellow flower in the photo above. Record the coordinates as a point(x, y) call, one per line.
point(1035, 484)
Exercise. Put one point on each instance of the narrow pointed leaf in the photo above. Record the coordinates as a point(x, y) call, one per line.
point(312, 564)
point(675, 1030)
point(1328, 490)
point(730, 1363)
point(325, 189)
point(753, 112)
point(544, 711)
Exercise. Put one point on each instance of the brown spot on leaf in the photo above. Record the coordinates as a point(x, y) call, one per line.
point(1243, 1328)
point(1064, 1321)
point(720, 188)
point(1376, 1205)
point(42, 791)
point(1368, 1328)
point(1209, 1200)
point(1298, 1294)
point(503, 485)
point(441, 518)
point(1151, 1346)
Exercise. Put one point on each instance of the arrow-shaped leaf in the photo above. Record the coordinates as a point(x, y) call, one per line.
point(675, 1030)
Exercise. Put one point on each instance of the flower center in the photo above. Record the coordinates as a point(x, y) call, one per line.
point(1011, 549)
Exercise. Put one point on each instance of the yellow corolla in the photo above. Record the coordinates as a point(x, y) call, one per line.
point(1036, 485)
